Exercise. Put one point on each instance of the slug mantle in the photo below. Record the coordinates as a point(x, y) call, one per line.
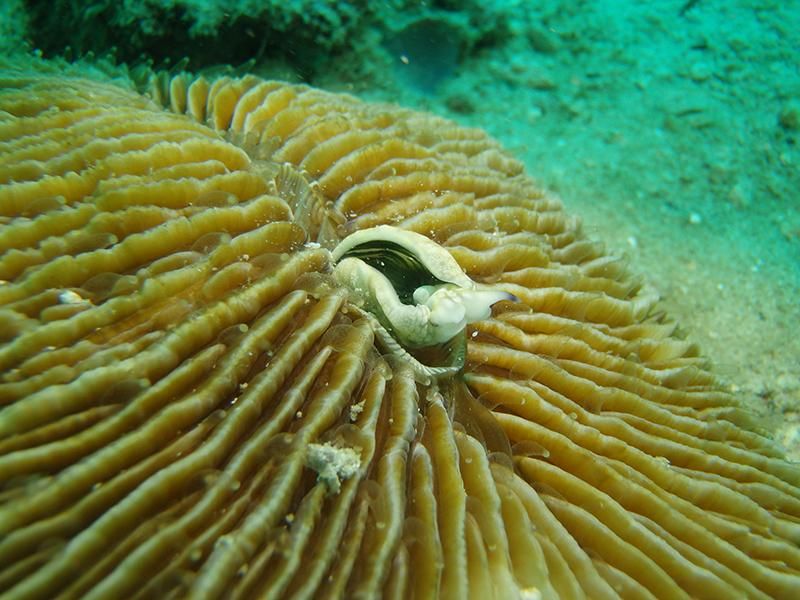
point(415, 291)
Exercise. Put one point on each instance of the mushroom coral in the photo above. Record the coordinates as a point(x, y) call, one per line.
point(193, 404)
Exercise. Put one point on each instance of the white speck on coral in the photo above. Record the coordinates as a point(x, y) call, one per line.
point(530, 593)
point(356, 409)
point(70, 297)
point(332, 464)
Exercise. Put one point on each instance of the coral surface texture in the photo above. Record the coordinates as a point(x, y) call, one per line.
point(197, 403)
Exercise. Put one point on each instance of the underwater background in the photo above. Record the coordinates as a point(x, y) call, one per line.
point(261, 338)
point(671, 127)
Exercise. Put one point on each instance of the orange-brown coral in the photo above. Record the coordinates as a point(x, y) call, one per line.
point(191, 403)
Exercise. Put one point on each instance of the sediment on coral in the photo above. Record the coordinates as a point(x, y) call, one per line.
point(182, 379)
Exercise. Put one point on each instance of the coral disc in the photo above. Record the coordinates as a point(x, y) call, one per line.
point(192, 404)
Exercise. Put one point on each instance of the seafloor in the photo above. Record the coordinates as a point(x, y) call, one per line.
point(671, 127)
